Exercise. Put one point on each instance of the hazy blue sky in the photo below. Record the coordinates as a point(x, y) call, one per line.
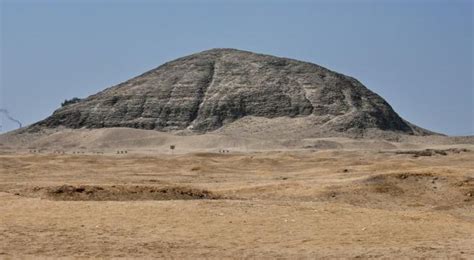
point(418, 55)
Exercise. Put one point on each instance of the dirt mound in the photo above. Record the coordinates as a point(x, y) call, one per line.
point(117, 193)
point(323, 144)
point(406, 190)
point(432, 152)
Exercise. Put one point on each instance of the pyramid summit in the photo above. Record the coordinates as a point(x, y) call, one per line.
point(205, 91)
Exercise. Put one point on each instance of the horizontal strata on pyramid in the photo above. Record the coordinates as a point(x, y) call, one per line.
point(207, 90)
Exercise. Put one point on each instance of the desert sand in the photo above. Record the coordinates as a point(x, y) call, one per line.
point(76, 197)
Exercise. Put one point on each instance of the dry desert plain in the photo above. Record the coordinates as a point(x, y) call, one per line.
point(307, 203)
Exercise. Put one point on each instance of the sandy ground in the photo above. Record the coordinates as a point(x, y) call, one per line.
point(294, 204)
point(111, 140)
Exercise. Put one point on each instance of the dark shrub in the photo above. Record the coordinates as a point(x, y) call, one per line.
point(70, 101)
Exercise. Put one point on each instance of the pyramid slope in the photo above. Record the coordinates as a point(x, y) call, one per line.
point(208, 90)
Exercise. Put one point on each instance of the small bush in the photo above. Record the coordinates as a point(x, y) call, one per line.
point(70, 101)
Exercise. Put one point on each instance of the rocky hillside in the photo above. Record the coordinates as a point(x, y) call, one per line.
point(207, 90)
